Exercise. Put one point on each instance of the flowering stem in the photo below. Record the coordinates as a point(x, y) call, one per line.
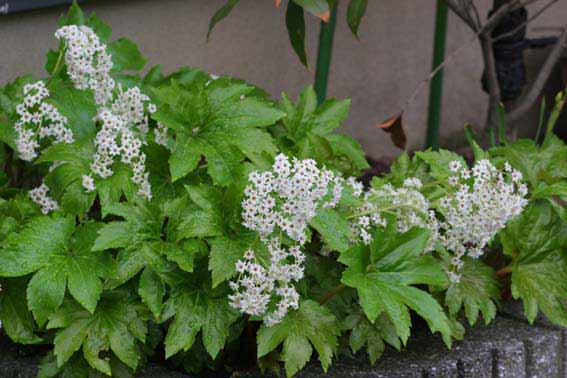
point(58, 65)
point(331, 294)
point(382, 210)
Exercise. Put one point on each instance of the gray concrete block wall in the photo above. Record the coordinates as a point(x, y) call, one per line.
point(507, 348)
point(379, 72)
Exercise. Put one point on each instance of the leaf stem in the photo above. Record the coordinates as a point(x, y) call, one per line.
point(331, 294)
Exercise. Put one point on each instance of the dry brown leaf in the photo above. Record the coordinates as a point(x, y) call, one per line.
point(325, 16)
point(278, 3)
point(393, 126)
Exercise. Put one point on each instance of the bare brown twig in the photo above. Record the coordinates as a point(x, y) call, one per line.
point(467, 11)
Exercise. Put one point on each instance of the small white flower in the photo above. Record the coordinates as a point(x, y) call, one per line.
point(455, 166)
point(88, 183)
point(40, 196)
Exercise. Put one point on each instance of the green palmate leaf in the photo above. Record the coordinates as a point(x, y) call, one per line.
point(405, 167)
point(126, 56)
point(309, 133)
point(329, 116)
point(14, 314)
point(535, 234)
point(372, 335)
point(349, 148)
point(334, 229)
point(221, 121)
point(220, 14)
point(62, 258)
point(225, 252)
point(296, 115)
point(46, 291)
point(139, 239)
point(31, 248)
point(295, 24)
point(547, 164)
point(115, 326)
point(78, 106)
point(75, 16)
point(548, 191)
point(383, 281)
point(438, 162)
point(184, 254)
point(184, 158)
point(151, 290)
point(311, 324)
point(101, 29)
point(197, 311)
point(477, 291)
point(142, 223)
point(65, 181)
point(355, 12)
point(537, 240)
point(542, 285)
point(206, 221)
point(390, 250)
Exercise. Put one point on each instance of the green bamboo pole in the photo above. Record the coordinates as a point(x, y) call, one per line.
point(436, 85)
point(326, 35)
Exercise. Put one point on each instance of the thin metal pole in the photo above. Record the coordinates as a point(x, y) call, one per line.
point(436, 86)
point(326, 35)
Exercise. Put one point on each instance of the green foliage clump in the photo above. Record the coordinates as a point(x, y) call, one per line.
point(113, 280)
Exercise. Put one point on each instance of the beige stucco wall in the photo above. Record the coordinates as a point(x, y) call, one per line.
point(378, 73)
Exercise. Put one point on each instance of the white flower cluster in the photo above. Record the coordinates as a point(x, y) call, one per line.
point(88, 63)
point(123, 132)
point(407, 203)
point(484, 199)
point(254, 290)
point(39, 195)
point(38, 119)
point(123, 115)
point(280, 201)
point(287, 197)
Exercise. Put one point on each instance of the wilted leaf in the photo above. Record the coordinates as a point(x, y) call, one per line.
point(393, 126)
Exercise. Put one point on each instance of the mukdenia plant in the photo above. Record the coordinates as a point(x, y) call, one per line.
point(186, 217)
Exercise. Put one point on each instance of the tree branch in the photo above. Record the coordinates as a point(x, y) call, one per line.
point(463, 14)
point(523, 24)
point(537, 86)
point(490, 24)
point(491, 79)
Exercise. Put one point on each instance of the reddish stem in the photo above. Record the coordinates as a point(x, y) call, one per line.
point(332, 294)
point(504, 272)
